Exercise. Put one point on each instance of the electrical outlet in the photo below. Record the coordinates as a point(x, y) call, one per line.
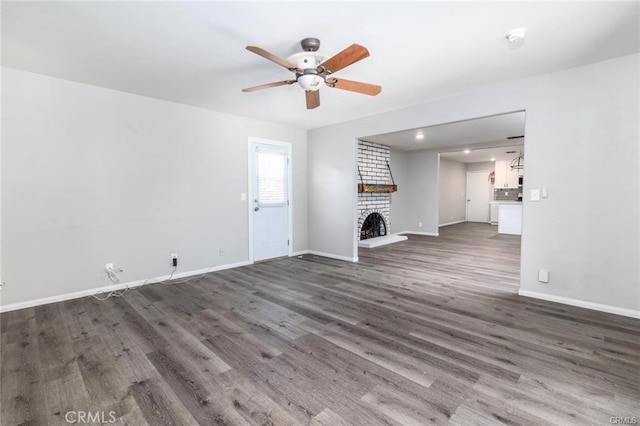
point(109, 267)
point(221, 252)
point(174, 260)
point(419, 224)
point(543, 275)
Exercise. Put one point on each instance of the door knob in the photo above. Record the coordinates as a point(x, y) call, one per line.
point(256, 209)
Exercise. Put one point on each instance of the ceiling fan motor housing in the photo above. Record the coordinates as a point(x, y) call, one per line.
point(307, 60)
point(310, 44)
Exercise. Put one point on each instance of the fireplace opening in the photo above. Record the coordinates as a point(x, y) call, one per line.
point(373, 226)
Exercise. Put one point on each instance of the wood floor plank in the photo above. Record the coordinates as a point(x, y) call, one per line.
point(328, 418)
point(191, 388)
point(105, 384)
point(403, 408)
point(156, 407)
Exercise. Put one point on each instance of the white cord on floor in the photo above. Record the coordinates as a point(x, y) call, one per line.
point(115, 293)
point(120, 293)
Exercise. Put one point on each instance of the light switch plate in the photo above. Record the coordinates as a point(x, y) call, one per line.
point(535, 195)
point(545, 194)
point(243, 196)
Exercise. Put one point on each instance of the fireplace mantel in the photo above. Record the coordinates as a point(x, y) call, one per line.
point(376, 187)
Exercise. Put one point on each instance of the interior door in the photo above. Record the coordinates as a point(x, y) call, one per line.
point(478, 196)
point(270, 201)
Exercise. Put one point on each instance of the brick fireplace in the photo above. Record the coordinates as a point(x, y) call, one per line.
point(372, 162)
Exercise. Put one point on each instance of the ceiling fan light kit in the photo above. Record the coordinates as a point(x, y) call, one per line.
point(313, 68)
point(311, 82)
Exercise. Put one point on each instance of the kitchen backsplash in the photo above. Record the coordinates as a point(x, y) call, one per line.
point(506, 194)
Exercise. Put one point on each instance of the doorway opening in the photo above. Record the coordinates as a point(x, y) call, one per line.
point(454, 178)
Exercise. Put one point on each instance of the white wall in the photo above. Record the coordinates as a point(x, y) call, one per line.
point(582, 143)
point(92, 175)
point(452, 191)
point(485, 165)
point(399, 164)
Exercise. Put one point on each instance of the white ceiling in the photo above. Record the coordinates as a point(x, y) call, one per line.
point(481, 132)
point(485, 154)
point(193, 52)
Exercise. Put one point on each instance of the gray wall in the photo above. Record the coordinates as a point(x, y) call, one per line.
point(91, 175)
point(582, 139)
point(332, 178)
point(399, 200)
point(452, 205)
point(422, 207)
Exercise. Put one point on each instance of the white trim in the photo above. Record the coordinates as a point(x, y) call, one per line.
point(333, 256)
point(354, 194)
point(252, 142)
point(299, 253)
point(452, 223)
point(428, 234)
point(581, 303)
point(114, 287)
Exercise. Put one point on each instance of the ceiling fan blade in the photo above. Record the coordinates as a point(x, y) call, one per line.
point(268, 85)
point(348, 56)
point(354, 86)
point(313, 99)
point(270, 56)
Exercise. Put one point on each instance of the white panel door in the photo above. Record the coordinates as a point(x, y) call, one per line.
point(478, 196)
point(270, 201)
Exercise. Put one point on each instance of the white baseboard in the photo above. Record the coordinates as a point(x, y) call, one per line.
point(333, 256)
point(581, 303)
point(428, 234)
point(299, 253)
point(115, 287)
point(451, 223)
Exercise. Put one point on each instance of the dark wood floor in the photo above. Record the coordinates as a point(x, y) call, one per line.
point(425, 331)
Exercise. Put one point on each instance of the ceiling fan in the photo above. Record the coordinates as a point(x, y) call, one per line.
point(313, 70)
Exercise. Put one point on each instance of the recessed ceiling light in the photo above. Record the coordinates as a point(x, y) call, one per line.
point(419, 136)
point(515, 38)
point(466, 151)
point(516, 35)
point(493, 158)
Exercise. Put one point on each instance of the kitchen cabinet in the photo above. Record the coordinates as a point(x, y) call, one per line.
point(506, 177)
point(510, 221)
